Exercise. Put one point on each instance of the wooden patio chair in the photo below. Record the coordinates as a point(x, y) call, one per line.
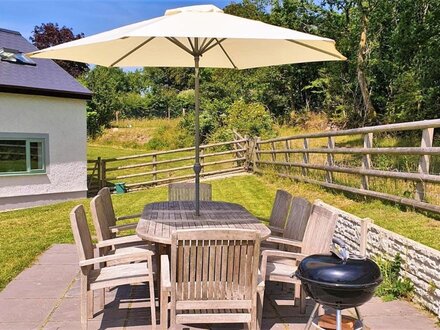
point(280, 210)
point(107, 243)
point(111, 215)
point(318, 234)
point(297, 220)
point(99, 279)
point(213, 278)
point(186, 191)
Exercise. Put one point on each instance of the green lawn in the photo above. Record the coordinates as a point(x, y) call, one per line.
point(24, 234)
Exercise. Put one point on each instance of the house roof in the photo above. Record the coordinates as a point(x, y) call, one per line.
point(45, 78)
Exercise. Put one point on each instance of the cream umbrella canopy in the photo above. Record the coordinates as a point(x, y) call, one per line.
point(196, 36)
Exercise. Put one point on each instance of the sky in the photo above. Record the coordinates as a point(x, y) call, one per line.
point(87, 16)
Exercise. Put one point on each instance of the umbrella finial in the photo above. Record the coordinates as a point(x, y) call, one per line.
point(198, 9)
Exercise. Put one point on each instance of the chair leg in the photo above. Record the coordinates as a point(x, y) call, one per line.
point(152, 302)
point(90, 302)
point(84, 302)
point(302, 301)
point(297, 291)
point(164, 309)
point(102, 300)
point(260, 306)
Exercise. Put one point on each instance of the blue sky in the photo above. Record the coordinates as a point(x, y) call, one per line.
point(87, 16)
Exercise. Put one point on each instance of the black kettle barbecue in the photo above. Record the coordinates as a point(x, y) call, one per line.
point(338, 280)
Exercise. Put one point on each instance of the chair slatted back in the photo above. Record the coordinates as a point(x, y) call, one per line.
point(320, 229)
point(280, 209)
point(214, 265)
point(108, 205)
point(81, 233)
point(184, 191)
point(298, 218)
point(99, 217)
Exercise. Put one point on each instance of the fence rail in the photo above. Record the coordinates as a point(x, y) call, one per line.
point(155, 168)
point(276, 156)
point(313, 158)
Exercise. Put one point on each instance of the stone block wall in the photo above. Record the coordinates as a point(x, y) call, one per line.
point(420, 263)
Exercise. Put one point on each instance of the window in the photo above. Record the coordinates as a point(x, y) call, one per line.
point(19, 156)
point(15, 56)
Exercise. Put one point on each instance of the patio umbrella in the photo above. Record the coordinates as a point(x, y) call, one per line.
point(196, 36)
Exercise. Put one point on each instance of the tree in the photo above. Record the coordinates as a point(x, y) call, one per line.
point(108, 85)
point(50, 34)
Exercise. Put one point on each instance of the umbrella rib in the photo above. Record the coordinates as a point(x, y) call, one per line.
point(132, 51)
point(191, 44)
point(181, 45)
point(204, 47)
point(212, 46)
point(227, 55)
point(315, 48)
point(203, 43)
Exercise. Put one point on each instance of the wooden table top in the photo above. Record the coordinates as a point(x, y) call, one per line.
point(160, 220)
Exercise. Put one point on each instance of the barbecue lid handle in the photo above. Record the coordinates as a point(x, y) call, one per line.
point(339, 242)
point(339, 249)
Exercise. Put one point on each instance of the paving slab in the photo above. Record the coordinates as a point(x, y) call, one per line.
point(19, 326)
point(25, 310)
point(29, 302)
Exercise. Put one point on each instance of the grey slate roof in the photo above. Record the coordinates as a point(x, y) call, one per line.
point(46, 78)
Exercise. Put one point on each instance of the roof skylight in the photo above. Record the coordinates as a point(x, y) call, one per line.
point(15, 56)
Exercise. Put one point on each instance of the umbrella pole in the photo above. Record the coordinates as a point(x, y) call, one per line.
point(197, 166)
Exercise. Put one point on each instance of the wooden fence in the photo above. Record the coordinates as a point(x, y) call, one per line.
point(348, 160)
point(163, 167)
point(291, 157)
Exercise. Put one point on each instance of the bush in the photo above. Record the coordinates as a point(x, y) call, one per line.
point(393, 286)
point(93, 127)
point(251, 119)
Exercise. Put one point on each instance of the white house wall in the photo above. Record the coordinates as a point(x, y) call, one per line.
point(64, 120)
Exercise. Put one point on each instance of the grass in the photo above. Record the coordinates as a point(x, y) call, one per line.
point(414, 225)
point(142, 134)
point(24, 234)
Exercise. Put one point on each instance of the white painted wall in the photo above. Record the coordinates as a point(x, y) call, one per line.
point(64, 120)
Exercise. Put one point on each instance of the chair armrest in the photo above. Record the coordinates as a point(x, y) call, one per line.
point(126, 217)
point(119, 241)
point(165, 279)
point(277, 253)
point(276, 230)
point(285, 241)
point(128, 226)
point(284, 254)
point(114, 257)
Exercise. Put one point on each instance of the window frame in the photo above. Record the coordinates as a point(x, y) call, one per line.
point(29, 138)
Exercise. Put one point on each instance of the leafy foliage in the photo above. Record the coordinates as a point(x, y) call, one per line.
point(391, 47)
point(50, 34)
point(393, 286)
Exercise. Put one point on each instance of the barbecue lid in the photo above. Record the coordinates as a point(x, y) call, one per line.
point(339, 269)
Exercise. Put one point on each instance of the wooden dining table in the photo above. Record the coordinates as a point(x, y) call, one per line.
point(159, 220)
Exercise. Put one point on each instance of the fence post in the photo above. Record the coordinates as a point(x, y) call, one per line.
point(363, 236)
point(202, 160)
point(154, 167)
point(424, 162)
point(103, 178)
point(255, 154)
point(272, 147)
point(98, 173)
point(247, 153)
point(330, 159)
point(366, 160)
point(305, 156)
point(287, 155)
